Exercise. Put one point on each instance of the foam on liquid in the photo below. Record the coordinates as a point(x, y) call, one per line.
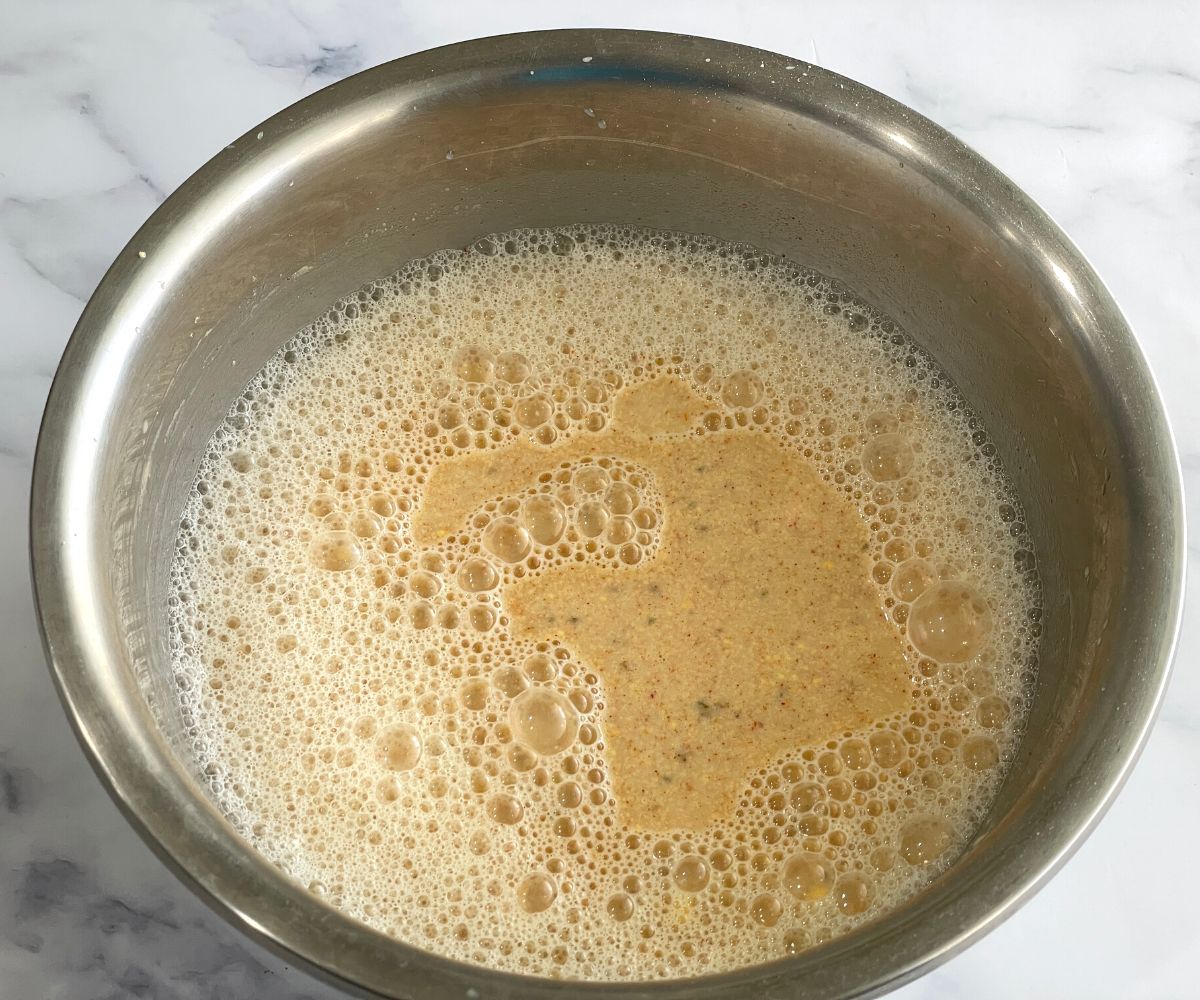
point(358, 671)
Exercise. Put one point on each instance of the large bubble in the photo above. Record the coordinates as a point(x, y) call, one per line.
point(544, 720)
point(949, 622)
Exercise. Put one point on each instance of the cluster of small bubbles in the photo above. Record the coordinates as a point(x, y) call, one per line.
point(602, 510)
point(366, 715)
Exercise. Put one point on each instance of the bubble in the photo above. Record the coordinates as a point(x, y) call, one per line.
point(980, 753)
point(544, 720)
point(533, 411)
point(476, 575)
point(536, 893)
point(336, 551)
point(366, 524)
point(481, 617)
point(474, 364)
point(807, 796)
point(808, 876)
point(592, 519)
point(540, 667)
point(814, 824)
point(521, 758)
point(591, 479)
point(399, 747)
point(512, 367)
point(509, 681)
point(794, 942)
point(691, 873)
point(621, 498)
point(630, 554)
point(912, 578)
point(474, 695)
point(765, 910)
point(619, 907)
point(925, 839)
point(505, 809)
point(882, 422)
point(980, 680)
point(829, 763)
point(887, 457)
point(949, 622)
point(856, 754)
point(569, 795)
point(839, 789)
point(382, 504)
point(742, 389)
point(620, 529)
point(887, 748)
point(388, 790)
point(450, 416)
point(545, 518)
point(854, 893)
point(993, 712)
point(644, 518)
point(883, 859)
point(507, 540)
point(424, 584)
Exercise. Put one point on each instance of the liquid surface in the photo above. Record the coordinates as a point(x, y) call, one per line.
point(603, 604)
point(752, 629)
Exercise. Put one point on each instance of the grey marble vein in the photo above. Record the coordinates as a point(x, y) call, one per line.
point(86, 106)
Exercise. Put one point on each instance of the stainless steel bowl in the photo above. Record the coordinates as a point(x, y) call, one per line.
point(654, 130)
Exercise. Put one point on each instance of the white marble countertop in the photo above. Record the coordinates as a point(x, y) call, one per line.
point(104, 108)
